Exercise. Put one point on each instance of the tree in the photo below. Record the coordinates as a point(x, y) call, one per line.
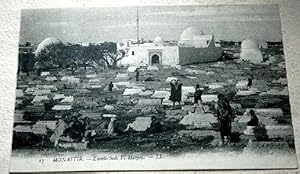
point(105, 54)
point(51, 56)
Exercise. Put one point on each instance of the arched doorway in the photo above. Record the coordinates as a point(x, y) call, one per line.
point(155, 59)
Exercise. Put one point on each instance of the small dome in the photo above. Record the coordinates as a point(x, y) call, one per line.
point(158, 39)
point(189, 33)
point(249, 44)
point(46, 42)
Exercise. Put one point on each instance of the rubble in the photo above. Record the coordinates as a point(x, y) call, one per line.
point(62, 107)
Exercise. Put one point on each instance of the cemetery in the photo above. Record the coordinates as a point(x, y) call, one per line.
point(43, 99)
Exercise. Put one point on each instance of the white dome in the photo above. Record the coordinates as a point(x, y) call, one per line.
point(48, 41)
point(158, 39)
point(189, 33)
point(249, 44)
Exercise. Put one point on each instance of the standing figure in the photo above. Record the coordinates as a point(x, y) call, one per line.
point(111, 128)
point(224, 114)
point(110, 86)
point(197, 98)
point(250, 79)
point(176, 86)
point(137, 74)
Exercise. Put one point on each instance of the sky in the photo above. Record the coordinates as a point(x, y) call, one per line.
point(74, 25)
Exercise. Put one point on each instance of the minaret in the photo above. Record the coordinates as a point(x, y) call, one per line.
point(137, 26)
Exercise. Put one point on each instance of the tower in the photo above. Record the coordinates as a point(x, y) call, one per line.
point(137, 26)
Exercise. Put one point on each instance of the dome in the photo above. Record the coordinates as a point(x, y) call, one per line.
point(189, 33)
point(249, 44)
point(46, 42)
point(158, 39)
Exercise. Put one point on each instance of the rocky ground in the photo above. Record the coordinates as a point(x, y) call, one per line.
point(133, 103)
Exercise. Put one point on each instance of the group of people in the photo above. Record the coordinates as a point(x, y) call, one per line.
point(223, 108)
point(73, 129)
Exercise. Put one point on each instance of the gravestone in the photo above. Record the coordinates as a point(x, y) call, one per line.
point(68, 99)
point(199, 120)
point(149, 102)
point(140, 124)
point(161, 94)
point(19, 93)
point(279, 131)
point(62, 107)
point(209, 98)
point(132, 91)
point(243, 84)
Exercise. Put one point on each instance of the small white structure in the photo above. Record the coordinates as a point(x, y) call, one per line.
point(250, 51)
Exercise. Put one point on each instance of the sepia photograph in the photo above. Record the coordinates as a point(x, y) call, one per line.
point(152, 88)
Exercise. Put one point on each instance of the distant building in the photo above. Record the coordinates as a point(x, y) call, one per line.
point(193, 47)
point(250, 51)
point(26, 58)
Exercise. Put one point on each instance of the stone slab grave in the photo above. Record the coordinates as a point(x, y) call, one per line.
point(209, 98)
point(149, 102)
point(47, 87)
point(132, 69)
point(19, 93)
point(23, 128)
point(30, 90)
point(41, 92)
point(45, 73)
point(122, 76)
point(40, 128)
point(109, 108)
point(51, 79)
point(121, 84)
point(215, 86)
point(132, 91)
point(199, 134)
point(279, 131)
point(152, 68)
point(76, 146)
point(62, 107)
point(140, 124)
point(284, 92)
point(243, 84)
point(199, 120)
point(175, 115)
point(167, 102)
point(161, 94)
point(146, 93)
point(269, 147)
point(70, 80)
point(282, 81)
point(91, 76)
point(109, 115)
point(250, 91)
point(260, 85)
point(186, 92)
point(68, 99)
point(39, 98)
point(169, 79)
point(89, 114)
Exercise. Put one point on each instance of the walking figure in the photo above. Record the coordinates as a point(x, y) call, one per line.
point(176, 88)
point(137, 74)
point(250, 79)
point(110, 86)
